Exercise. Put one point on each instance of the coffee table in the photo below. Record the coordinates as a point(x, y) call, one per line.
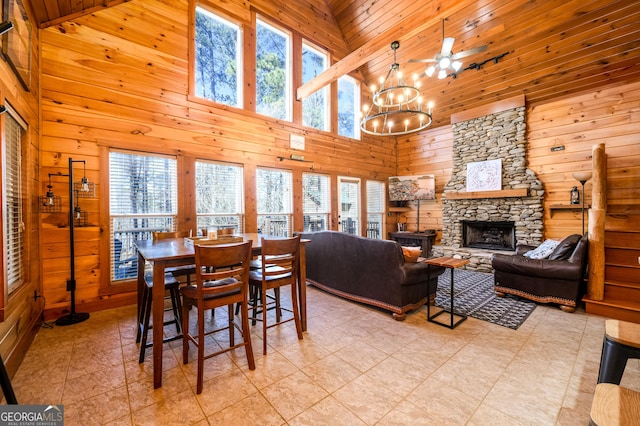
point(451, 263)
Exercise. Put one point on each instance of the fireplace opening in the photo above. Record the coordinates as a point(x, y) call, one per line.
point(488, 235)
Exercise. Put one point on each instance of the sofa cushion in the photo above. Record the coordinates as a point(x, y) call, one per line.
point(566, 247)
point(543, 251)
point(411, 254)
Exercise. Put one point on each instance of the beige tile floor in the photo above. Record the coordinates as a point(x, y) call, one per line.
point(355, 366)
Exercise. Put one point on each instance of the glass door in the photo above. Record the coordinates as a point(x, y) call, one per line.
point(349, 207)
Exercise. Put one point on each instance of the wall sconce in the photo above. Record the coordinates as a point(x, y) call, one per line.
point(5, 26)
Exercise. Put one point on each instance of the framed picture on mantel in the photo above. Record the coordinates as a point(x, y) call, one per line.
point(16, 43)
point(484, 176)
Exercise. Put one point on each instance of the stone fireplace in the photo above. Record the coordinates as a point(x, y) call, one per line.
point(500, 135)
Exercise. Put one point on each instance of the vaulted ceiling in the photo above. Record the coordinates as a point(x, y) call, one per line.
point(547, 48)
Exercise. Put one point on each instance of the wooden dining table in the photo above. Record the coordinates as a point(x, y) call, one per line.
point(168, 253)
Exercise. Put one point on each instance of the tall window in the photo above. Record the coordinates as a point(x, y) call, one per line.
point(316, 202)
point(375, 208)
point(219, 195)
point(12, 199)
point(349, 196)
point(273, 71)
point(143, 198)
point(315, 108)
point(217, 61)
point(348, 107)
point(275, 202)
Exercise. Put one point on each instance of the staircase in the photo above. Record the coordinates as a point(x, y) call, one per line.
point(621, 274)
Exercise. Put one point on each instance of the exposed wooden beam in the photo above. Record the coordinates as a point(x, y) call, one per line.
point(405, 30)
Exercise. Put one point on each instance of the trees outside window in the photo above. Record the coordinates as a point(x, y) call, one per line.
point(375, 208)
point(275, 202)
point(143, 198)
point(217, 59)
point(219, 195)
point(273, 71)
point(316, 202)
point(348, 107)
point(315, 108)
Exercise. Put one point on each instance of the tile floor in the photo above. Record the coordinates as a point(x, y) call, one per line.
point(355, 366)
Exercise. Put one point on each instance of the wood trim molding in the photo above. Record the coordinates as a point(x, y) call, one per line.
point(505, 193)
point(481, 111)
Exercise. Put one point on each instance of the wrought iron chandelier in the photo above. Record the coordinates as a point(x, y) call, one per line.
point(397, 107)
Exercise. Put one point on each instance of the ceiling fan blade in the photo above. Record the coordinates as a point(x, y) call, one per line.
point(422, 60)
point(469, 52)
point(447, 45)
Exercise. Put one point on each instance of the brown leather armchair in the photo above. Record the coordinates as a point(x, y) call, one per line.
point(556, 279)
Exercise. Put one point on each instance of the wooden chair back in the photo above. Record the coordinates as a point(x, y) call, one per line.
point(279, 261)
point(161, 235)
point(222, 269)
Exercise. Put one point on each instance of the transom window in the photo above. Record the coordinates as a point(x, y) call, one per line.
point(315, 108)
point(219, 195)
point(143, 199)
point(218, 66)
point(273, 71)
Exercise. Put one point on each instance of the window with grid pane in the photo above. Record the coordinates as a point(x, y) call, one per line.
point(316, 201)
point(315, 108)
point(375, 208)
point(275, 202)
point(218, 48)
point(12, 194)
point(348, 107)
point(273, 71)
point(143, 199)
point(219, 195)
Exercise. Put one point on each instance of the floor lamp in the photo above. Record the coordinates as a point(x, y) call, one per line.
point(77, 217)
point(582, 177)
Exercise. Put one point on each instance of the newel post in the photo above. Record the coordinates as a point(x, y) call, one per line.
point(597, 213)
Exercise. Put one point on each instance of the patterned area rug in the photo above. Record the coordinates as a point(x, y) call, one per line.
point(474, 296)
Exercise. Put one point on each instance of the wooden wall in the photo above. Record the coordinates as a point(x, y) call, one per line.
point(120, 78)
point(19, 312)
point(577, 123)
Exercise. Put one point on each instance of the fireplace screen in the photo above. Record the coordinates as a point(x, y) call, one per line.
point(488, 235)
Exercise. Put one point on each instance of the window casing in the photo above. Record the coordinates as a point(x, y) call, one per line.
point(273, 71)
point(316, 202)
point(315, 108)
point(142, 199)
point(13, 201)
point(219, 195)
point(275, 202)
point(375, 209)
point(218, 59)
point(348, 107)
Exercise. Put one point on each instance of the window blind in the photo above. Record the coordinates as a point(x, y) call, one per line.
point(375, 208)
point(219, 195)
point(275, 201)
point(316, 201)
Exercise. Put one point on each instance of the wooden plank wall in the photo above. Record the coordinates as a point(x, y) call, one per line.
point(577, 123)
point(20, 312)
point(119, 78)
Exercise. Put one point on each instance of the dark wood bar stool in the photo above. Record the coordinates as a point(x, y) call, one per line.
point(621, 342)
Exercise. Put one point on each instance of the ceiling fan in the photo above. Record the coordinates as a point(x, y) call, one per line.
point(446, 60)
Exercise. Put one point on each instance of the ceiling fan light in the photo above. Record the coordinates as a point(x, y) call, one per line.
point(456, 65)
point(430, 71)
point(444, 62)
point(442, 74)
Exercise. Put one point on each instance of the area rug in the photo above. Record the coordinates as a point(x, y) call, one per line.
point(474, 296)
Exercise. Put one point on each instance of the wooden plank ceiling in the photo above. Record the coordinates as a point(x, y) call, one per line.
point(551, 48)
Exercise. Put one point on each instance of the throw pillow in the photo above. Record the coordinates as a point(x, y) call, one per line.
point(411, 254)
point(543, 250)
point(565, 249)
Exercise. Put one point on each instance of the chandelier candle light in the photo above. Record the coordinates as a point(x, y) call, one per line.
point(397, 106)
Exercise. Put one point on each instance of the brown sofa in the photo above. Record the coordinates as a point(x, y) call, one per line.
point(367, 271)
point(556, 279)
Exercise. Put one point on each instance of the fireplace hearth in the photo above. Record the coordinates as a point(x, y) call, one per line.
point(488, 235)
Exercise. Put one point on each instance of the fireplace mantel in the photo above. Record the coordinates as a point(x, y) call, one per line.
point(504, 193)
